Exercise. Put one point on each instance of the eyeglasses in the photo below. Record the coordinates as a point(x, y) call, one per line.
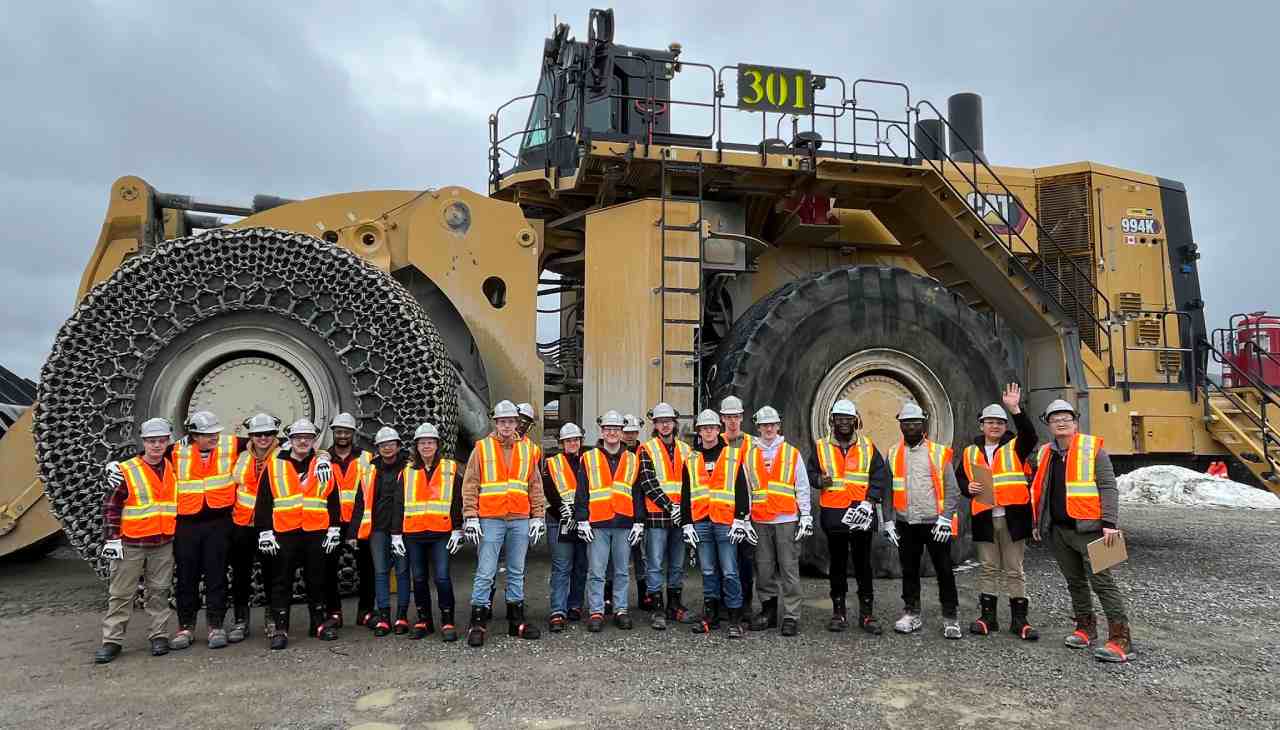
point(1058, 420)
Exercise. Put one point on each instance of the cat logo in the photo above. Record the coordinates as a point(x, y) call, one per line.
point(1140, 226)
point(1003, 213)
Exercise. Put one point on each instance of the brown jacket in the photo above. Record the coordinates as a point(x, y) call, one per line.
point(471, 487)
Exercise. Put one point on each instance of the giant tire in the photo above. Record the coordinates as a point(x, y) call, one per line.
point(784, 345)
point(349, 323)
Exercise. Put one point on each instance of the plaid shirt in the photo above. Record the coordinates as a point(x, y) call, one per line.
point(113, 507)
point(648, 482)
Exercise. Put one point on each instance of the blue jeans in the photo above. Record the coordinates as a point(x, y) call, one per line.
point(664, 546)
point(609, 542)
point(514, 534)
point(380, 546)
point(719, 561)
point(568, 571)
point(437, 571)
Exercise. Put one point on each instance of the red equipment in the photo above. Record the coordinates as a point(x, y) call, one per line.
point(1255, 350)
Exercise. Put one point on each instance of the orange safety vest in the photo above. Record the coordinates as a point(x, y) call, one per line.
point(428, 502)
point(504, 487)
point(712, 494)
point(1083, 501)
point(1008, 475)
point(666, 469)
point(773, 489)
point(939, 459)
point(534, 448)
point(151, 506)
point(347, 481)
point(562, 476)
point(849, 472)
point(299, 504)
point(748, 442)
point(610, 492)
point(247, 474)
point(202, 482)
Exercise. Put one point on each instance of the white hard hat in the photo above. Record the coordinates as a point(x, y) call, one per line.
point(631, 424)
point(993, 411)
point(1059, 406)
point(911, 411)
point(663, 410)
point(260, 423)
point(844, 407)
point(156, 427)
point(203, 422)
point(384, 434)
point(767, 414)
point(303, 425)
point(731, 406)
point(426, 431)
point(707, 418)
point(505, 409)
point(526, 410)
point(570, 431)
point(611, 418)
point(344, 420)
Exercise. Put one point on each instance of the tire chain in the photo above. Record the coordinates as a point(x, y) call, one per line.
point(84, 416)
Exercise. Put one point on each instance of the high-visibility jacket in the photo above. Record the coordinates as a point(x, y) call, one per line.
point(428, 499)
point(504, 485)
point(1083, 500)
point(248, 474)
point(666, 469)
point(151, 506)
point(748, 442)
point(609, 491)
point(1008, 475)
point(202, 482)
point(849, 471)
point(298, 501)
point(939, 459)
point(562, 476)
point(534, 448)
point(712, 494)
point(773, 488)
point(347, 480)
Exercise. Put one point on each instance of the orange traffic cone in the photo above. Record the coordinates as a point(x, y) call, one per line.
point(1217, 469)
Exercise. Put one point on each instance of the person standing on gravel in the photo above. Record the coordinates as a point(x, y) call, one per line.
point(349, 465)
point(432, 508)
point(662, 460)
point(251, 464)
point(377, 520)
point(1076, 502)
point(731, 414)
point(568, 553)
point(631, 426)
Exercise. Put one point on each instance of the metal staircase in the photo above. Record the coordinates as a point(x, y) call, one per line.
point(680, 288)
point(1244, 413)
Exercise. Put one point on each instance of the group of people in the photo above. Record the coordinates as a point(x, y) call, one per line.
point(743, 503)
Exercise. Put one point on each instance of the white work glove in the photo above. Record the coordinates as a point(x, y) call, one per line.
point(585, 533)
point(331, 539)
point(537, 529)
point(742, 530)
point(455, 542)
point(267, 542)
point(859, 517)
point(471, 528)
point(115, 477)
point(397, 546)
point(566, 511)
point(942, 529)
point(324, 470)
point(636, 534)
point(690, 535)
point(112, 550)
point(805, 529)
point(890, 532)
point(675, 512)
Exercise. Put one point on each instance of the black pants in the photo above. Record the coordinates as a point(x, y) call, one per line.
point(747, 572)
point(298, 549)
point(244, 553)
point(842, 543)
point(913, 540)
point(364, 577)
point(200, 551)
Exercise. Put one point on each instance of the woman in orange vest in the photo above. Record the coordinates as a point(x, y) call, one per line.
point(568, 553)
point(377, 520)
point(250, 465)
point(1000, 528)
point(432, 528)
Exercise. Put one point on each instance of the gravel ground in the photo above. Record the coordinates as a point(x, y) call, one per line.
point(1202, 586)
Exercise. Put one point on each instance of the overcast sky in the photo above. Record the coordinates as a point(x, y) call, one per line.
point(231, 98)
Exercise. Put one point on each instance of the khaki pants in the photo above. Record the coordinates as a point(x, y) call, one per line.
point(1071, 550)
point(1001, 562)
point(156, 565)
point(778, 566)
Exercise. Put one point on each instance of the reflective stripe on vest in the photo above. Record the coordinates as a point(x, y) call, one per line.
point(712, 494)
point(151, 505)
point(939, 459)
point(666, 469)
point(562, 476)
point(247, 475)
point(748, 442)
point(203, 482)
point(1007, 475)
point(849, 471)
point(609, 492)
point(298, 504)
point(427, 502)
point(347, 481)
point(1083, 500)
point(773, 488)
point(504, 487)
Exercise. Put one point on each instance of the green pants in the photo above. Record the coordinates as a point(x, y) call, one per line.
point(1071, 549)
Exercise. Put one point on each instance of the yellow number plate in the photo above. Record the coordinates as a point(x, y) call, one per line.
point(774, 89)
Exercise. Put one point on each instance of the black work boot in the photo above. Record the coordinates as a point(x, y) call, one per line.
point(382, 624)
point(676, 610)
point(768, 616)
point(477, 628)
point(658, 619)
point(423, 628)
point(1018, 625)
point(107, 653)
point(735, 623)
point(516, 625)
point(402, 622)
point(987, 622)
point(324, 625)
point(448, 631)
point(839, 616)
point(280, 637)
point(867, 618)
point(710, 620)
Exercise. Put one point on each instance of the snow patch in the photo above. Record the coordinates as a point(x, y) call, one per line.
point(1174, 485)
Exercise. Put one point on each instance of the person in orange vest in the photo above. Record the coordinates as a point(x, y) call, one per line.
point(714, 486)
point(568, 553)
point(297, 515)
point(922, 516)
point(662, 460)
point(502, 506)
point(731, 414)
point(1075, 503)
point(250, 465)
point(631, 426)
point(138, 520)
point(605, 506)
point(377, 520)
point(852, 478)
point(1000, 529)
point(432, 528)
point(349, 463)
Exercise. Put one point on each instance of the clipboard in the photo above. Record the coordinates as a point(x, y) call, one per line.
point(1102, 557)
point(987, 496)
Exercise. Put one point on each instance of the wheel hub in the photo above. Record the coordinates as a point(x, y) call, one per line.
point(252, 385)
point(879, 381)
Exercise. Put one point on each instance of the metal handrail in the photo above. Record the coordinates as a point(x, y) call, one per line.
point(1269, 434)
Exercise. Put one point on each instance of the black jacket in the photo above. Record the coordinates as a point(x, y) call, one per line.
point(1017, 517)
point(388, 500)
point(741, 490)
point(552, 494)
point(582, 497)
point(879, 486)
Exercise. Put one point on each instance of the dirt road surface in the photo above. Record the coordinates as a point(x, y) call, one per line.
point(1202, 585)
